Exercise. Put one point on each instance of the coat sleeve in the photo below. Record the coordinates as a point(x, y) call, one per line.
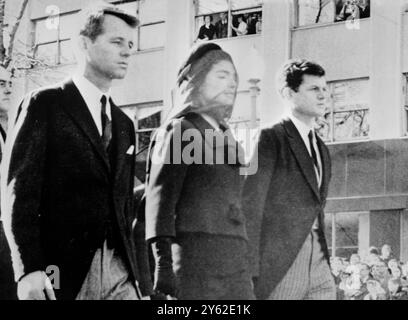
point(165, 181)
point(22, 186)
point(255, 191)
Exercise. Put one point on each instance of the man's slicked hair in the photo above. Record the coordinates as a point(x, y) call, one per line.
point(291, 74)
point(92, 19)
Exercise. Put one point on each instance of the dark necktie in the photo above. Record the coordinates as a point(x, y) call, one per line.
point(314, 155)
point(106, 124)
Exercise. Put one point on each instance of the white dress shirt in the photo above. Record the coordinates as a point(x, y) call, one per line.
point(92, 96)
point(304, 130)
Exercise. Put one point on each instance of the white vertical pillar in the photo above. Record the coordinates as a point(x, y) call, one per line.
point(385, 69)
point(276, 31)
point(179, 26)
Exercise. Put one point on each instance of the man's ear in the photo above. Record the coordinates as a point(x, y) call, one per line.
point(287, 93)
point(83, 43)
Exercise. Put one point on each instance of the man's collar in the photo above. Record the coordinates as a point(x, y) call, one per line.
point(91, 94)
point(83, 83)
point(303, 128)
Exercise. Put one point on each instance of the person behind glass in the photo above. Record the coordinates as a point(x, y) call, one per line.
point(8, 288)
point(251, 22)
point(350, 11)
point(284, 201)
point(207, 30)
point(70, 175)
point(242, 27)
point(258, 26)
point(221, 26)
point(193, 210)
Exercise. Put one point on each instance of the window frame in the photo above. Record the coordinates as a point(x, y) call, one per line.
point(333, 248)
point(57, 42)
point(333, 139)
point(229, 17)
point(296, 17)
point(141, 25)
point(140, 106)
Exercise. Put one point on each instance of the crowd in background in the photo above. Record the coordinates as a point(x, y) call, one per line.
point(216, 26)
point(377, 275)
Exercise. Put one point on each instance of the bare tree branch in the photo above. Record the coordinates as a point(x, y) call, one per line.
point(2, 24)
point(13, 32)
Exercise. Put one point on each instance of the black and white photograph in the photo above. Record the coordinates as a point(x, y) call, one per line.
point(207, 150)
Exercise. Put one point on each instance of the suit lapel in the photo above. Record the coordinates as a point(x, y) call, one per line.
point(120, 139)
point(302, 155)
point(76, 107)
point(325, 167)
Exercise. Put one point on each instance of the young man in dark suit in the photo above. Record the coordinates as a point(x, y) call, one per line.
point(70, 176)
point(284, 200)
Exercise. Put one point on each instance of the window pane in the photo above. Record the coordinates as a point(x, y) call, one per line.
point(211, 6)
point(152, 36)
point(145, 129)
point(351, 125)
point(328, 12)
point(349, 108)
point(150, 122)
point(243, 4)
point(350, 95)
point(67, 53)
point(346, 234)
point(46, 30)
point(308, 10)
point(324, 126)
point(66, 25)
point(211, 32)
point(47, 53)
point(251, 22)
point(152, 11)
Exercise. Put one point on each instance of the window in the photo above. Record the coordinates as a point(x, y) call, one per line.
point(341, 230)
point(146, 117)
point(213, 18)
point(328, 11)
point(347, 116)
point(53, 39)
point(152, 13)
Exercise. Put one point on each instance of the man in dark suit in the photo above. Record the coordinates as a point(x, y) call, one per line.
point(284, 200)
point(221, 26)
point(70, 176)
point(193, 197)
point(7, 285)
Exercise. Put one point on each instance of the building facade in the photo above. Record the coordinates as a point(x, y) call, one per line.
point(364, 50)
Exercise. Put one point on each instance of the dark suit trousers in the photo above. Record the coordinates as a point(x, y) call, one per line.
point(8, 288)
point(215, 287)
point(211, 267)
point(309, 277)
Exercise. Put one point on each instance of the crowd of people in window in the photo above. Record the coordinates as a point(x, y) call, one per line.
point(216, 26)
point(377, 276)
